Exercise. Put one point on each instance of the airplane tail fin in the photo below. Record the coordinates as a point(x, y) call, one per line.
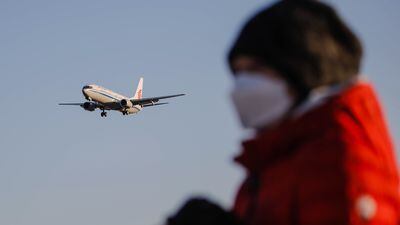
point(139, 90)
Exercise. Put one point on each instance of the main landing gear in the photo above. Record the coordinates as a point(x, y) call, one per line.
point(103, 114)
point(124, 113)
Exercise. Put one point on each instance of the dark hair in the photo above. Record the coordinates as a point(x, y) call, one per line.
point(304, 40)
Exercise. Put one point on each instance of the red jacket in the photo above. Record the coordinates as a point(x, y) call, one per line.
point(333, 165)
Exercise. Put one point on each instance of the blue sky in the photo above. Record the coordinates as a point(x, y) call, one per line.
point(61, 165)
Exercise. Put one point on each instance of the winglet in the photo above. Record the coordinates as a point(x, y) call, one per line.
point(139, 90)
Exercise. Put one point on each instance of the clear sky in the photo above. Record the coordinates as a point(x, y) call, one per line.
point(62, 165)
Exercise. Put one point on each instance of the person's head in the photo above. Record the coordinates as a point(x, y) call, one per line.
point(301, 42)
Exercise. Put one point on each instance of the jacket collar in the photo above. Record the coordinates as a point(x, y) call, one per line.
point(320, 95)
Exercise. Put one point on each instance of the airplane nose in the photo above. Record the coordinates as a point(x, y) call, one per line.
point(84, 90)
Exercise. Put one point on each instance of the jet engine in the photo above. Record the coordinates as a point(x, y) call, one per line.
point(89, 106)
point(125, 103)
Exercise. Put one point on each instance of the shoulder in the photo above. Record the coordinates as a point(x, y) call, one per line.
point(350, 124)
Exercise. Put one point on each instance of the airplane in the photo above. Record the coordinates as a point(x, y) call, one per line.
point(104, 99)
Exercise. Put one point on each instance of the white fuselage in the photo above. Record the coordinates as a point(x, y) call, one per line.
point(108, 98)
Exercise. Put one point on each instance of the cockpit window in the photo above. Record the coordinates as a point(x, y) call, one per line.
point(87, 87)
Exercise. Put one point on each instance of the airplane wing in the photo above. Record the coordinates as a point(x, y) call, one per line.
point(151, 101)
point(78, 104)
point(88, 105)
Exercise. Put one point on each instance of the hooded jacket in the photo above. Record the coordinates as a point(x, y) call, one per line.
point(335, 164)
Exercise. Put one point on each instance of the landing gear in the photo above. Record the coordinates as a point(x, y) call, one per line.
point(124, 113)
point(103, 114)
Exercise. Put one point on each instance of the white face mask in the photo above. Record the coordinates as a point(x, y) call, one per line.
point(260, 100)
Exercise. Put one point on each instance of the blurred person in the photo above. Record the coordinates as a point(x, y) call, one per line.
point(321, 153)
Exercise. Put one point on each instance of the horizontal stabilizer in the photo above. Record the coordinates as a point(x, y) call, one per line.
point(163, 103)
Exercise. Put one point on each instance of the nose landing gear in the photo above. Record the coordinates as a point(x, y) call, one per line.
point(103, 114)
